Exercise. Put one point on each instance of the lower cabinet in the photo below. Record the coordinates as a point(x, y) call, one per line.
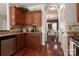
point(33, 39)
point(28, 40)
point(20, 39)
point(36, 41)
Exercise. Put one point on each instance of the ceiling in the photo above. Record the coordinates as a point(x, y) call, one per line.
point(47, 7)
point(52, 8)
point(52, 12)
point(26, 4)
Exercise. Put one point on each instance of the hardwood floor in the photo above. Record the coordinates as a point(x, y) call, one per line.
point(47, 50)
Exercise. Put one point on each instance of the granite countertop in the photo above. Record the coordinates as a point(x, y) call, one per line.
point(9, 33)
point(73, 33)
point(14, 33)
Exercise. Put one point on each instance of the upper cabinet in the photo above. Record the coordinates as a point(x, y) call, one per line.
point(77, 12)
point(28, 18)
point(17, 16)
point(33, 18)
point(36, 16)
point(25, 18)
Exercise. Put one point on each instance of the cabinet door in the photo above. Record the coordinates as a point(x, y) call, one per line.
point(28, 18)
point(12, 15)
point(36, 16)
point(20, 17)
point(20, 42)
point(36, 41)
point(17, 16)
point(28, 40)
point(77, 12)
point(33, 39)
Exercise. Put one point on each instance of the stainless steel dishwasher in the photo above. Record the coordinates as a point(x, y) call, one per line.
point(8, 45)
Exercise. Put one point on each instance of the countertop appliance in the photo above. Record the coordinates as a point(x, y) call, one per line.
point(34, 29)
point(8, 45)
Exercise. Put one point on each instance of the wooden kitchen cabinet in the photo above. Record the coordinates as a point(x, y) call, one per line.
point(28, 40)
point(21, 18)
point(36, 17)
point(77, 12)
point(17, 16)
point(28, 18)
point(33, 18)
point(36, 39)
point(33, 39)
point(20, 41)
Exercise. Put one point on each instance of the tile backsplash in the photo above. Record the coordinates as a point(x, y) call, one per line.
point(27, 28)
point(75, 28)
point(17, 28)
point(30, 28)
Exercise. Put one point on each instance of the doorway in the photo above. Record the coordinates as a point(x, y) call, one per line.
point(52, 22)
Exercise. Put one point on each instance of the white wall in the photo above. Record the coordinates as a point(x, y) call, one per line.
point(70, 18)
point(3, 16)
point(67, 16)
point(52, 16)
point(62, 30)
point(71, 15)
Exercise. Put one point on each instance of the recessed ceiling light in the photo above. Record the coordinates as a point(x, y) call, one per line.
point(52, 8)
